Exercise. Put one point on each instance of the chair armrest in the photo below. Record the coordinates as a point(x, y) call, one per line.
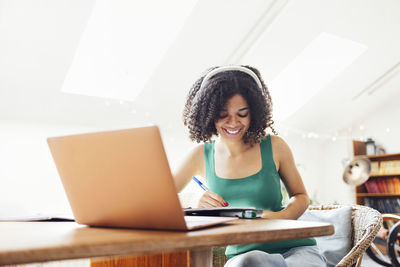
point(366, 223)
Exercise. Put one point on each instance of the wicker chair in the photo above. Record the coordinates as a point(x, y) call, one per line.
point(365, 223)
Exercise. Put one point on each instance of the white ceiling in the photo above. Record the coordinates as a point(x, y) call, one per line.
point(38, 40)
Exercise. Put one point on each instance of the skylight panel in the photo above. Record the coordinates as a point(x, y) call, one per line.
point(312, 70)
point(122, 45)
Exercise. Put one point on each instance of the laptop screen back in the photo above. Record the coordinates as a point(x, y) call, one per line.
point(118, 178)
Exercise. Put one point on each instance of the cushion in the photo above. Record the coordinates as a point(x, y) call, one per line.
point(336, 246)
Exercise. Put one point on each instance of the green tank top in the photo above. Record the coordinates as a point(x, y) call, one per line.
point(261, 190)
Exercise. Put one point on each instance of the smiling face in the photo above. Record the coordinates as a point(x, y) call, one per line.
point(234, 119)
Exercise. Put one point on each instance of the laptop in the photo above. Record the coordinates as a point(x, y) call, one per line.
point(122, 178)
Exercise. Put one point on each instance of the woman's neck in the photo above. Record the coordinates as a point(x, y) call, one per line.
point(233, 149)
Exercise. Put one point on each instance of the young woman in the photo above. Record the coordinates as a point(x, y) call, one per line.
point(228, 111)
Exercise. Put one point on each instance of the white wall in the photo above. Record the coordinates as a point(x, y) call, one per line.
point(323, 160)
point(319, 162)
point(307, 155)
point(331, 188)
point(382, 125)
point(29, 182)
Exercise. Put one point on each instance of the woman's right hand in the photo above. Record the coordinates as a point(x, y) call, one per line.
point(210, 199)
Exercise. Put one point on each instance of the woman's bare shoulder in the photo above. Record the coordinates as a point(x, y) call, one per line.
point(277, 140)
point(279, 145)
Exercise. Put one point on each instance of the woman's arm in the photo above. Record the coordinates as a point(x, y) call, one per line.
point(290, 176)
point(192, 164)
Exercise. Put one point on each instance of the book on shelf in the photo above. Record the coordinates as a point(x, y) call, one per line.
point(396, 181)
point(383, 185)
point(388, 205)
point(389, 167)
point(374, 168)
point(380, 184)
point(380, 205)
point(371, 186)
point(396, 205)
point(367, 202)
point(390, 186)
point(383, 205)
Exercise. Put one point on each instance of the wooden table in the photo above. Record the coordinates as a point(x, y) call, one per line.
point(29, 242)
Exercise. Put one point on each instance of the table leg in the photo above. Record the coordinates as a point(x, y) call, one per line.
point(201, 257)
point(172, 259)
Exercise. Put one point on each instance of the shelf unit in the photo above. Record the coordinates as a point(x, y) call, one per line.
point(361, 190)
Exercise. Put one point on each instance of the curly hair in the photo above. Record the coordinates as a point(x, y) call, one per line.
point(203, 106)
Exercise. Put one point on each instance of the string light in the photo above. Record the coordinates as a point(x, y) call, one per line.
point(313, 135)
point(286, 131)
point(347, 134)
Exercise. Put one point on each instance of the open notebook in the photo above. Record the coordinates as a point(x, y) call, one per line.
point(122, 179)
point(240, 212)
point(33, 217)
